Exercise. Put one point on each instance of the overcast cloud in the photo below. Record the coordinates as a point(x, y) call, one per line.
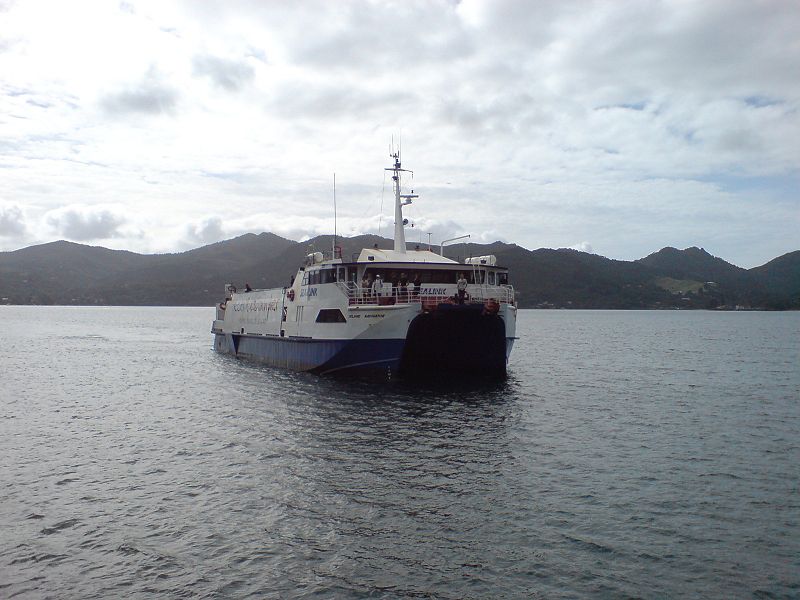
point(150, 96)
point(84, 223)
point(230, 75)
point(206, 231)
point(12, 223)
point(615, 127)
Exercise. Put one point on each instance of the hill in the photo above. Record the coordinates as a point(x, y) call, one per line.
point(694, 264)
point(777, 282)
point(68, 273)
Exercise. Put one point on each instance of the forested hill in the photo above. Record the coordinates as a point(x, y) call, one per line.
point(68, 273)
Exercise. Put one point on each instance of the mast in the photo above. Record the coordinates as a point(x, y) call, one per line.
point(400, 200)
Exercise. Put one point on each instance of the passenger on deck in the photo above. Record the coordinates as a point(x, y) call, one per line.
point(461, 284)
point(417, 285)
point(247, 287)
point(402, 292)
point(366, 286)
point(377, 287)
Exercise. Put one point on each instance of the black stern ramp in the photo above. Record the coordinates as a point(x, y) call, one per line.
point(465, 339)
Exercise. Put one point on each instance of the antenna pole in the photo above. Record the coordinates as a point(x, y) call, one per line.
point(334, 216)
point(400, 200)
point(399, 227)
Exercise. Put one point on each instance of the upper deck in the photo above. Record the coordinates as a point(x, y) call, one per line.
point(406, 276)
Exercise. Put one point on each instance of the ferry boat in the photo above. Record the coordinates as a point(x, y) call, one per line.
point(387, 312)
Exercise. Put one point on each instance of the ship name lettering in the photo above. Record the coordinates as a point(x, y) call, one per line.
point(255, 306)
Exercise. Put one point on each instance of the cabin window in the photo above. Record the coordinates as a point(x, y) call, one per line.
point(491, 277)
point(502, 279)
point(327, 276)
point(330, 315)
point(319, 276)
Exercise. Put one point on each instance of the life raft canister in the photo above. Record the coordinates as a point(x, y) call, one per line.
point(290, 295)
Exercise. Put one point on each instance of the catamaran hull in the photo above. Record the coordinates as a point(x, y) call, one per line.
point(346, 357)
point(450, 340)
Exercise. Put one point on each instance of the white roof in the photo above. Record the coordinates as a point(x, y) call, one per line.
point(411, 256)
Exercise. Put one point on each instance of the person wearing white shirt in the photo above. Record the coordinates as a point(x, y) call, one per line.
point(461, 284)
point(377, 286)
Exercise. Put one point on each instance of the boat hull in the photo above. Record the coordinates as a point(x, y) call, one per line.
point(326, 357)
point(451, 339)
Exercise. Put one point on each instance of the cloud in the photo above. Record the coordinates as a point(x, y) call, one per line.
point(321, 99)
point(151, 96)
point(582, 247)
point(301, 228)
point(207, 231)
point(230, 75)
point(631, 124)
point(351, 37)
point(83, 223)
point(12, 222)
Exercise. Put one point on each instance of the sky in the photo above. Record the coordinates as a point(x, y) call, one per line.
point(614, 127)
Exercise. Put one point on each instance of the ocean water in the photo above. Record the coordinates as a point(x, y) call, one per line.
point(628, 454)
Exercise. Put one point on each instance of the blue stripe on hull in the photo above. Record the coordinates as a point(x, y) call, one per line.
point(321, 356)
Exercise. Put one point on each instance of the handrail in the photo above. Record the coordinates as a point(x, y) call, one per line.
point(476, 293)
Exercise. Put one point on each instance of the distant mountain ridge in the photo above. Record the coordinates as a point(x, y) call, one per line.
point(69, 273)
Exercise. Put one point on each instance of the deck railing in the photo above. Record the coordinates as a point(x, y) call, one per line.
point(357, 295)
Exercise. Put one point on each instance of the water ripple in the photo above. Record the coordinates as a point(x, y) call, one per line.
point(626, 455)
